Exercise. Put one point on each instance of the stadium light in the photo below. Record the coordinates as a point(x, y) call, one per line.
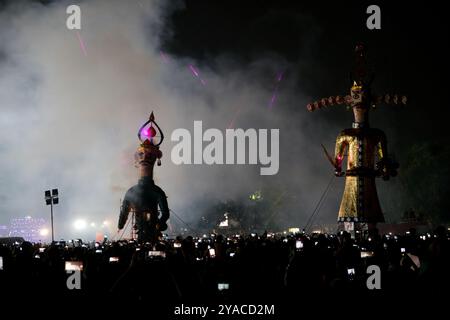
point(43, 232)
point(80, 224)
point(51, 199)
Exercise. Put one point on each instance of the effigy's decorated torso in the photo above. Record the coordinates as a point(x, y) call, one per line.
point(143, 199)
point(363, 146)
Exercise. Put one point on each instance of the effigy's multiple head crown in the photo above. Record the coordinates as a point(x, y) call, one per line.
point(360, 96)
point(151, 136)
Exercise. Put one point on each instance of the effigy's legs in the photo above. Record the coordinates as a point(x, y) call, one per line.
point(146, 228)
point(360, 202)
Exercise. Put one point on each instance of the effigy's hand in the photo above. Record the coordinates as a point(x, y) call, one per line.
point(161, 226)
point(386, 168)
point(338, 172)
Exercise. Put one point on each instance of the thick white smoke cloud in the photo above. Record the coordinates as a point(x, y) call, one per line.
point(70, 120)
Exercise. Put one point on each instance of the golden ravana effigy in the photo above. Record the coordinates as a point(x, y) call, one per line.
point(363, 145)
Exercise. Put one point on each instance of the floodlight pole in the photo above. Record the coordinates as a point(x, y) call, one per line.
point(51, 217)
point(51, 198)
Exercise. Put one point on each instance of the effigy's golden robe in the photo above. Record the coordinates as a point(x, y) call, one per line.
point(360, 200)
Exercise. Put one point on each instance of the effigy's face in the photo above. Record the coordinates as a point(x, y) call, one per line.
point(145, 157)
point(358, 102)
point(357, 93)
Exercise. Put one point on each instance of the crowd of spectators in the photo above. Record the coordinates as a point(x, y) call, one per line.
point(223, 268)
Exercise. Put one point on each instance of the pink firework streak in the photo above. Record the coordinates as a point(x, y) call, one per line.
point(82, 46)
point(196, 74)
point(274, 97)
point(275, 91)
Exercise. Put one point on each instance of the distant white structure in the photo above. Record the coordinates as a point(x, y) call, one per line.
point(229, 222)
point(28, 228)
point(224, 223)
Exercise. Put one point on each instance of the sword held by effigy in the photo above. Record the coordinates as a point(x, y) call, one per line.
point(333, 163)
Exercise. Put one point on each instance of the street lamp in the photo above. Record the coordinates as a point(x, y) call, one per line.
point(51, 199)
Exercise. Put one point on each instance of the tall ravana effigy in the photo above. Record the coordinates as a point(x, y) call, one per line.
point(145, 197)
point(364, 145)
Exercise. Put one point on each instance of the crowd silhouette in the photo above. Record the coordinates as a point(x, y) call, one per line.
point(218, 268)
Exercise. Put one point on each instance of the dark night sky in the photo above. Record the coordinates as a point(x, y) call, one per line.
point(410, 52)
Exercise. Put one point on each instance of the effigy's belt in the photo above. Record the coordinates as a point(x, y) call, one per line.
point(361, 172)
point(352, 219)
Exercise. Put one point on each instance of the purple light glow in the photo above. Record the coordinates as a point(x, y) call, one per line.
point(149, 132)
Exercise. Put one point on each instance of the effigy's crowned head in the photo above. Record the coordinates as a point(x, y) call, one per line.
point(361, 79)
point(360, 99)
point(147, 154)
point(151, 136)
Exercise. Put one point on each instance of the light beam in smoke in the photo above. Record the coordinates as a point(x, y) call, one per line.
point(82, 45)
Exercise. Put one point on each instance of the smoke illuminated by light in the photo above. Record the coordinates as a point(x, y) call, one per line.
point(102, 99)
point(80, 224)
